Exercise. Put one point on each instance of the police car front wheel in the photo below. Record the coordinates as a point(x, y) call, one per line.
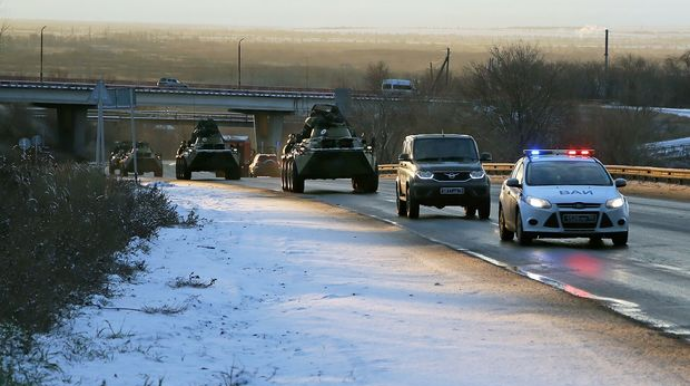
point(620, 239)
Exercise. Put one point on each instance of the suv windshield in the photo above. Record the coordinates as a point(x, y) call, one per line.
point(567, 173)
point(445, 149)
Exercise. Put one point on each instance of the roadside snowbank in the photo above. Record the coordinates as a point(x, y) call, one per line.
point(301, 293)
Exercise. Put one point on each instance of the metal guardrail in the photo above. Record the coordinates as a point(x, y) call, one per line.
point(650, 173)
point(647, 173)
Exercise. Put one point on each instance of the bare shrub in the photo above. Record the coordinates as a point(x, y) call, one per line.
point(517, 93)
point(617, 134)
point(375, 74)
point(60, 231)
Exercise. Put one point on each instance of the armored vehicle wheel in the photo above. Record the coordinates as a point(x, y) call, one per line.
point(178, 169)
point(374, 183)
point(357, 184)
point(288, 176)
point(365, 184)
point(297, 180)
point(283, 174)
point(400, 205)
point(181, 170)
point(231, 174)
point(412, 205)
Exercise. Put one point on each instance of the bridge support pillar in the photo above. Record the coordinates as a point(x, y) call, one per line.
point(72, 127)
point(269, 132)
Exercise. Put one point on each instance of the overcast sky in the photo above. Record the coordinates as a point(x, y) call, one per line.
point(362, 13)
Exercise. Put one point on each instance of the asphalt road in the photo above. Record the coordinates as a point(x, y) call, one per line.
point(649, 280)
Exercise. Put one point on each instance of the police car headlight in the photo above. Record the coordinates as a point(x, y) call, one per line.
point(477, 175)
point(425, 175)
point(615, 203)
point(538, 202)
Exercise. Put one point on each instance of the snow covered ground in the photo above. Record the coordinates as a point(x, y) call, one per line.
point(306, 294)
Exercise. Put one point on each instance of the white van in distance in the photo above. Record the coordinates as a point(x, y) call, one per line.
point(397, 87)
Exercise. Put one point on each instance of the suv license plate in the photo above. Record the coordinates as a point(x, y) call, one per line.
point(452, 190)
point(579, 218)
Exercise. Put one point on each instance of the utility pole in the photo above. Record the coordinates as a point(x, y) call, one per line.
point(606, 64)
point(239, 62)
point(41, 70)
point(133, 129)
point(445, 68)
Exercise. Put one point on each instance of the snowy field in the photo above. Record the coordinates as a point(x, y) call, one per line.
point(292, 292)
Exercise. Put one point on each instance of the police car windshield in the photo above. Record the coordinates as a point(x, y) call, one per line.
point(445, 150)
point(567, 173)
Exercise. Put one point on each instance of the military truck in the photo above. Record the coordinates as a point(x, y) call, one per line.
point(206, 151)
point(147, 161)
point(327, 148)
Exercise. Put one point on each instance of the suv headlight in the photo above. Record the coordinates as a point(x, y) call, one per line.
point(615, 203)
point(538, 202)
point(477, 175)
point(425, 175)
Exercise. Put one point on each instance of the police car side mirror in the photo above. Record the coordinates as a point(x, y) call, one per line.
point(621, 182)
point(513, 183)
point(404, 157)
point(485, 157)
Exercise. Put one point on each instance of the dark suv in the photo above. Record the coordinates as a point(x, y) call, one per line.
point(442, 170)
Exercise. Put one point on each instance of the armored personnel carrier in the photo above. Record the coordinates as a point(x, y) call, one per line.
point(328, 148)
point(206, 151)
point(147, 161)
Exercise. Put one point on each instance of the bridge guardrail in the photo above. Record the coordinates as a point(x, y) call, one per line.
point(647, 173)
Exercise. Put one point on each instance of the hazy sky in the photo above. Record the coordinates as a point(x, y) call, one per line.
point(362, 13)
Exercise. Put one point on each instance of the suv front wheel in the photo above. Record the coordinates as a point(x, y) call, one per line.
point(485, 209)
point(412, 205)
point(400, 205)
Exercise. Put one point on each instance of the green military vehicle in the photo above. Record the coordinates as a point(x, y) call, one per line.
point(328, 148)
point(206, 151)
point(147, 161)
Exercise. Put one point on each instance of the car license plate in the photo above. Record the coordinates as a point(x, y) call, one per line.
point(579, 218)
point(452, 190)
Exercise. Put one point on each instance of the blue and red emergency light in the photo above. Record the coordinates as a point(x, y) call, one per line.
point(573, 152)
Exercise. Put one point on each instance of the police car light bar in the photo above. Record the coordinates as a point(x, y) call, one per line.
point(583, 152)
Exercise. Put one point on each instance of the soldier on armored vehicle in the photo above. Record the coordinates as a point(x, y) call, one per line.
point(118, 153)
point(327, 148)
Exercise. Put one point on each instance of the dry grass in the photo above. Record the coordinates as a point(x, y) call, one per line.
point(62, 231)
point(296, 58)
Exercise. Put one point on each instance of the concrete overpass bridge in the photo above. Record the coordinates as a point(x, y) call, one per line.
point(267, 106)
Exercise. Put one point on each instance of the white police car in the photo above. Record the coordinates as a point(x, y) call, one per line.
point(559, 194)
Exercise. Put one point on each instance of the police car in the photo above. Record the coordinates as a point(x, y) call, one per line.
point(559, 194)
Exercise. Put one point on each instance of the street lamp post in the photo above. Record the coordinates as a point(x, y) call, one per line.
point(239, 62)
point(41, 73)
